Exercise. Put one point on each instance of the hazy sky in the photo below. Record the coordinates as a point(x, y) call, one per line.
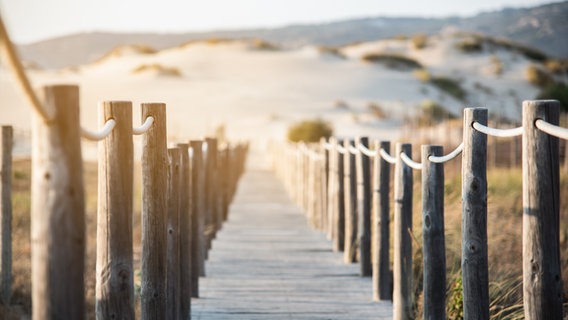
point(31, 20)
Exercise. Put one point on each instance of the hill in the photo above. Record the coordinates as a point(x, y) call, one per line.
point(543, 27)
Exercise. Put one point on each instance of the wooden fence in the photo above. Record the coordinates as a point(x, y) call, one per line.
point(186, 191)
point(332, 181)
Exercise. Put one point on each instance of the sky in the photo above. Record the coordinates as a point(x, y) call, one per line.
point(33, 20)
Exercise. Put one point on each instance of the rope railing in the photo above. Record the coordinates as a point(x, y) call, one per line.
point(366, 151)
point(144, 127)
point(502, 133)
point(386, 156)
point(101, 134)
point(551, 129)
point(352, 149)
point(341, 149)
point(411, 163)
point(448, 157)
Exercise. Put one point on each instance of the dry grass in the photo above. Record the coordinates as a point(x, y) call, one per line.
point(392, 61)
point(158, 69)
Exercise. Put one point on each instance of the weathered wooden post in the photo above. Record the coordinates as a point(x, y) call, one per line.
point(381, 238)
point(185, 232)
point(197, 214)
point(58, 208)
point(475, 279)
point(114, 270)
point(542, 277)
point(173, 304)
point(211, 185)
point(402, 264)
point(433, 240)
point(350, 246)
point(364, 208)
point(154, 213)
point(325, 219)
point(331, 188)
point(339, 217)
point(6, 211)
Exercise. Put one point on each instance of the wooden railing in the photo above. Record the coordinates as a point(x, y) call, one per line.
point(332, 182)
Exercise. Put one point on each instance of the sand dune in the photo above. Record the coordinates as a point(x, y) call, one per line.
point(257, 94)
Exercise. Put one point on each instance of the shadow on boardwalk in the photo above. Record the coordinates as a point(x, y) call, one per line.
point(267, 263)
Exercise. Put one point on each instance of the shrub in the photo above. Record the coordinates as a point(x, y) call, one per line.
point(331, 51)
point(158, 68)
point(497, 65)
point(538, 76)
point(309, 131)
point(260, 44)
point(471, 45)
point(377, 110)
point(393, 61)
point(557, 91)
point(450, 86)
point(432, 113)
point(419, 41)
point(422, 75)
point(557, 66)
point(527, 52)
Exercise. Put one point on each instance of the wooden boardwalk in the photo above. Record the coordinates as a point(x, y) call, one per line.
point(267, 263)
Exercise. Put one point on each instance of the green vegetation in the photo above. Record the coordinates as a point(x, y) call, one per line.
point(557, 67)
point(538, 76)
point(432, 113)
point(331, 51)
point(496, 65)
point(393, 61)
point(470, 45)
point(557, 91)
point(259, 44)
point(377, 110)
point(449, 86)
point(158, 68)
point(419, 41)
point(528, 52)
point(309, 131)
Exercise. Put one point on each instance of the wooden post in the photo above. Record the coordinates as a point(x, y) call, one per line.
point(58, 208)
point(474, 217)
point(185, 233)
point(173, 284)
point(381, 238)
point(331, 189)
point(114, 270)
point(6, 211)
point(339, 223)
point(211, 185)
point(350, 253)
point(325, 221)
point(364, 209)
point(154, 213)
point(542, 280)
point(402, 264)
point(197, 214)
point(433, 242)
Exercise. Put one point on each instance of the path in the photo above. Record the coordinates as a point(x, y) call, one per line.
point(266, 263)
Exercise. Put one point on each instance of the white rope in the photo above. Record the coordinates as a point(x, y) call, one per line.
point(341, 149)
point(352, 149)
point(387, 157)
point(551, 129)
point(409, 162)
point(447, 157)
point(101, 134)
point(144, 127)
point(327, 146)
point(369, 153)
point(503, 133)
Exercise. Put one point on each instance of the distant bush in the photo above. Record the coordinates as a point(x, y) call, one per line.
point(331, 51)
point(377, 110)
point(449, 86)
point(556, 91)
point(433, 113)
point(419, 41)
point(309, 131)
point(529, 52)
point(496, 65)
point(538, 76)
point(260, 44)
point(422, 75)
point(158, 68)
point(471, 45)
point(393, 61)
point(557, 67)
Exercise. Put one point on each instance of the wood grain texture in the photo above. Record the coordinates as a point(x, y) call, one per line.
point(154, 213)
point(382, 288)
point(114, 269)
point(339, 244)
point(542, 279)
point(7, 140)
point(267, 263)
point(58, 208)
point(351, 213)
point(197, 214)
point(433, 240)
point(173, 263)
point(402, 264)
point(474, 217)
point(185, 233)
point(364, 209)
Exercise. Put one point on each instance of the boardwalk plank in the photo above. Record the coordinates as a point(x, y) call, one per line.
point(266, 263)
